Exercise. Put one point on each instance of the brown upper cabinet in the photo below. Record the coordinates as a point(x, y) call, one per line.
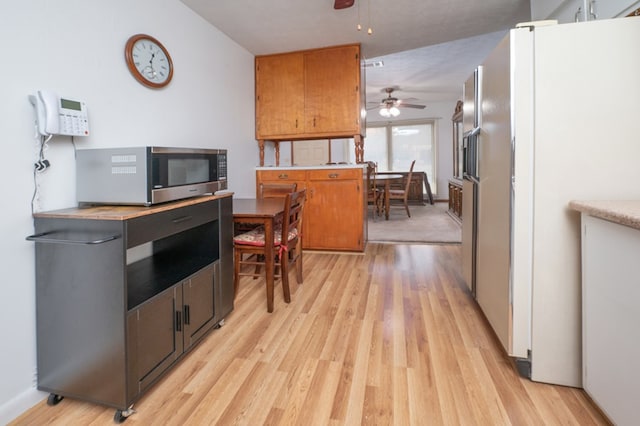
point(310, 94)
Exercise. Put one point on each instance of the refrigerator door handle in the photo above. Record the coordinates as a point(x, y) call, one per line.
point(592, 10)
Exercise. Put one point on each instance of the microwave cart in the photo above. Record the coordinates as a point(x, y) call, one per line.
point(123, 292)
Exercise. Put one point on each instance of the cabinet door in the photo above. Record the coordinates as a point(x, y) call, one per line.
point(197, 292)
point(335, 210)
point(279, 95)
point(332, 91)
point(155, 336)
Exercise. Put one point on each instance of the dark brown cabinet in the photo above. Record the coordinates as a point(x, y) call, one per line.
point(455, 199)
point(455, 184)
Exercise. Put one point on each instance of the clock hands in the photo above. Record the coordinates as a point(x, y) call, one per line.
point(149, 70)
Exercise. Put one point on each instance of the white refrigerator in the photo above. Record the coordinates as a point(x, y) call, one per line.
point(560, 120)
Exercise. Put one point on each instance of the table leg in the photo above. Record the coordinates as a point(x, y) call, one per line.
point(387, 187)
point(269, 262)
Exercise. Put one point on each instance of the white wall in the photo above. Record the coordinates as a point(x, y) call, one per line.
point(76, 47)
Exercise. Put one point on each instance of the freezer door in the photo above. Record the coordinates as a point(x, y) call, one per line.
point(502, 281)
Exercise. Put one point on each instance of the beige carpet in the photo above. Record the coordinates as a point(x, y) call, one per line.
point(430, 224)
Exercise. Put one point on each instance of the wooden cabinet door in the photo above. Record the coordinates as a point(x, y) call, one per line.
point(332, 91)
point(279, 95)
point(334, 218)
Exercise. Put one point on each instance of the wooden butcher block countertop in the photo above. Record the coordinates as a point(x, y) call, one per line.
point(112, 212)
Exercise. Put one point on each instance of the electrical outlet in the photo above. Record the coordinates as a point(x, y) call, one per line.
point(34, 379)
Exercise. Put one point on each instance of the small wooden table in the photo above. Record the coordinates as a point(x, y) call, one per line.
point(386, 180)
point(264, 212)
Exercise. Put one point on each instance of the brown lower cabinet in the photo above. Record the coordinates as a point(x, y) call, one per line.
point(335, 213)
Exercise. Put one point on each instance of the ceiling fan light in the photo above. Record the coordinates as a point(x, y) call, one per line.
point(385, 112)
point(394, 111)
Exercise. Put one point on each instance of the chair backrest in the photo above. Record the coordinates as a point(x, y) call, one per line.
point(276, 190)
point(409, 176)
point(371, 177)
point(292, 220)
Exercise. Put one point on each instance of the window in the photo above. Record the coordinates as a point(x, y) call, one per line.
point(394, 146)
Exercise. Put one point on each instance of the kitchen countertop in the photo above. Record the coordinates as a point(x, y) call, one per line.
point(623, 212)
point(124, 212)
point(318, 167)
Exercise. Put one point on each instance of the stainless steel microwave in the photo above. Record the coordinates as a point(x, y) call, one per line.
point(148, 175)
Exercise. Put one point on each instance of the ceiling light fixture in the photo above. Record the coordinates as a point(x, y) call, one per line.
point(389, 111)
point(369, 30)
point(359, 26)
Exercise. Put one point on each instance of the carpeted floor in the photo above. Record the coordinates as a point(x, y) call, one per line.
point(428, 224)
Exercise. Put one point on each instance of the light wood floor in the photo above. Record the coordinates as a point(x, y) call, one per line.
point(391, 337)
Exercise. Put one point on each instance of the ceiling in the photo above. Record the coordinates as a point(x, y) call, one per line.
point(428, 47)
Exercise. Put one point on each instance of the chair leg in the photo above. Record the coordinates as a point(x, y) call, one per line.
point(406, 207)
point(259, 258)
point(284, 275)
point(299, 266)
point(236, 271)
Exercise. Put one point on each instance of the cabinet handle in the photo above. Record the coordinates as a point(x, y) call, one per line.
point(178, 321)
point(182, 219)
point(314, 122)
point(283, 176)
point(296, 123)
point(41, 238)
point(187, 316)
point(333, 175)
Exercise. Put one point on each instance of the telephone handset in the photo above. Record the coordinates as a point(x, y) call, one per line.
point(59, 116)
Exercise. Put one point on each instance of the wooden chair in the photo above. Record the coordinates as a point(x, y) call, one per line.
point(266, 190)
point(276, 190)
point(374, 194)
point(403, 194)
point(287, 246)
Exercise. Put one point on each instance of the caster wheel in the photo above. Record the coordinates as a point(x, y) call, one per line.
point(122, 415)
point(54, 399)
point(220, 324)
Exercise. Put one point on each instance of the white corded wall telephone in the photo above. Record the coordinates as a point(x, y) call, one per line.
point(59, 116)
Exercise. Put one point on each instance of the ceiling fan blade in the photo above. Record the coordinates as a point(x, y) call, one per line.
point(403, 105)
point(342, 4)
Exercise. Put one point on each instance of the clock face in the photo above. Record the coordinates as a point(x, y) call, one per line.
point(148, 61)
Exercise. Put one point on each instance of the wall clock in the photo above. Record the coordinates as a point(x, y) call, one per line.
point(149, 61)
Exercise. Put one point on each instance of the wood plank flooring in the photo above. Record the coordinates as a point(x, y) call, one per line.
point(391, 337)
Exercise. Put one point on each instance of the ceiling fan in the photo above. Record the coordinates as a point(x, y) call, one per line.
point(342, 4)
point(389, 106)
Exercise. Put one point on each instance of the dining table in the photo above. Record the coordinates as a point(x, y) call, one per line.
point(385, 181)
point(265, 212)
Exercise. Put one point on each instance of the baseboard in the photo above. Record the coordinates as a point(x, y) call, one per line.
point(21, 403)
